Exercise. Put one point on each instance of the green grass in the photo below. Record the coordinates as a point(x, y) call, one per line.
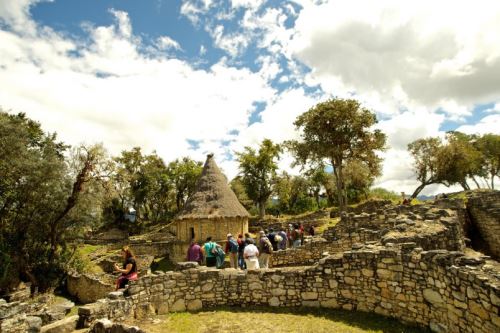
point(327, 223)
point(261, 320)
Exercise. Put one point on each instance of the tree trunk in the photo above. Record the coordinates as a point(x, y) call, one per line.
point(418, 190)
point(475, 182)
point(262, 209)
point(492, 181)
point(337, 171)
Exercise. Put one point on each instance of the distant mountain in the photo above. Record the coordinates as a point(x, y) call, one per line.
point(425, 197)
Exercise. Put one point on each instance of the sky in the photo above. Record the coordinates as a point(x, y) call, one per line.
point(191, 77)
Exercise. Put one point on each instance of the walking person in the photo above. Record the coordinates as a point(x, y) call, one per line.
point(232, 249)
point(251, 255)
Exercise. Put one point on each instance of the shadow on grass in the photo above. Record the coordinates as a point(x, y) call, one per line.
point(356, 319)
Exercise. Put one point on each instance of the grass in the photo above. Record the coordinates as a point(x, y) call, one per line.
point(275, 320)
point(327, 223)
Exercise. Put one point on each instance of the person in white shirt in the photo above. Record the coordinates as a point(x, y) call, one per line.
point(251, 255)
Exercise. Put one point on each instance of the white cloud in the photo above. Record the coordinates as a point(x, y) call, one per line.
point(111, 92)
point(166, 43)
point(253, 4)
point(203, 50)
point(194, 9)
point(232, 43)
point(489, 124)
point(435, 54)
point(16, 15)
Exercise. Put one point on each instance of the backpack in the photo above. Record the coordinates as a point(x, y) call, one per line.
point(233, 246)
point(267, 246)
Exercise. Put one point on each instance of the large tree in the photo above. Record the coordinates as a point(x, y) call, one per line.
point(184, 174)
point(38, 193)
point(489, 146)
point(338, 131)
point(258, 169)
point(425, 153)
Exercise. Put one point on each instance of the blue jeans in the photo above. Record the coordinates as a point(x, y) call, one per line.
point(241, 261)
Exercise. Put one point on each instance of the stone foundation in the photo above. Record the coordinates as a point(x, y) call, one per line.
point(444, 290)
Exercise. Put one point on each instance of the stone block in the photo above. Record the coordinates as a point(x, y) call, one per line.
point(178, 306)
point(66, 325)
point(194, 305)
point(309, 295)
point(433, 297)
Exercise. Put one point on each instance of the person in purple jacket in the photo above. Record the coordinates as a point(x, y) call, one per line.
point(194, 252)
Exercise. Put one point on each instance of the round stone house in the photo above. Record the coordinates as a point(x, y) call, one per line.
point(212, 210)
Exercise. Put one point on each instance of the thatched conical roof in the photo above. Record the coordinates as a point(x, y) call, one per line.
point(213, 197)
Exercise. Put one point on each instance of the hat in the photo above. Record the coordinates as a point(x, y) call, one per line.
point(229, 235)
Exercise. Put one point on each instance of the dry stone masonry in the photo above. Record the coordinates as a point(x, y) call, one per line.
point(444, 290)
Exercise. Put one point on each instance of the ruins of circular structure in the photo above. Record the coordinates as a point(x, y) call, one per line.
point(410, 267)
point(404, 262)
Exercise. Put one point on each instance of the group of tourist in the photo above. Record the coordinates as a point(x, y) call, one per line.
point(245, 252)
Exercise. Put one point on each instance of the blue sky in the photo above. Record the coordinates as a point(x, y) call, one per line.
point(188, 77)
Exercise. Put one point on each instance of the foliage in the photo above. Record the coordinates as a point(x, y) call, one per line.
point(38, 192)
point(338, 131)
point(184, 173)
point(239, 189)
point(257, 170)
point(384, 194)
point(461, 158)
point(425, 153)
point(489, 146)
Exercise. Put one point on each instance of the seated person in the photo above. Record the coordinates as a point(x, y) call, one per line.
point(129, 270)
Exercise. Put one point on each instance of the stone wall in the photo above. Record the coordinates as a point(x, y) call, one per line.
point(484, 211)
point(87, 288)
point(429, 226)
point(444, 290)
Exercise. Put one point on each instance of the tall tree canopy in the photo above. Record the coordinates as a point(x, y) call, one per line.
point(258, 170)
point(338, 130)
point(184, 174)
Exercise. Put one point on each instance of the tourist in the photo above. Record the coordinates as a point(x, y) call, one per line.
point(301, 230)
point(248, 238)
point(129, 269)
point(209, 252)
point(289, 233)
point(251, 255)
point(265, 250)
point(271, 236)
point(296, 236)
point(241, 249)
point(232, 249)
point(194, 252)
point(284, 239)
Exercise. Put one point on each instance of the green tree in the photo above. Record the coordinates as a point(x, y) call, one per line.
point(425, 153)
point(338, 130)
point(489, 147)
point(184, 174)
point(142, 182)
point(239, 189)
point(459, 160)
point(38, 193)
point(258, 169)
point(359, 179)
